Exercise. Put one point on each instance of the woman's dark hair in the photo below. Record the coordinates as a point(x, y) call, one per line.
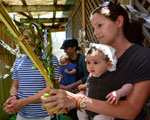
point(132, 29)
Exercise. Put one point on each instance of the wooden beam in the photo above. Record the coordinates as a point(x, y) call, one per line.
point(55, 2)
point(24, 2)
point(58, 30)
point(37, 8)
point(56, 27)
point(44, 20)
point(22, 13)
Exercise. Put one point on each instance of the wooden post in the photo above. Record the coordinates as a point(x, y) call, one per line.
point(83, 14)
point(83, 22)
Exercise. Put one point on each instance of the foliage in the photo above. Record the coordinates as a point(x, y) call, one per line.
point(43, 52)
point(13, 117)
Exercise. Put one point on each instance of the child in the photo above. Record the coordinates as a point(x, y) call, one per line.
point(68, 71)
point(101, 58)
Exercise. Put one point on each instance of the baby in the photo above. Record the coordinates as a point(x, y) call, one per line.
point(68, 71)
point(101, 58)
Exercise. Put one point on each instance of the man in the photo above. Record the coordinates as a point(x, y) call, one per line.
point(27, 88)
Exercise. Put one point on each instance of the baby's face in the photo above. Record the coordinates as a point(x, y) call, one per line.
point(96, 64)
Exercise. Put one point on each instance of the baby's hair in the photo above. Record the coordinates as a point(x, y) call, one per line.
point(93, 49)
point(66, 57)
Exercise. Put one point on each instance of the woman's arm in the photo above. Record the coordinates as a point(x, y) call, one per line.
point(127, 109)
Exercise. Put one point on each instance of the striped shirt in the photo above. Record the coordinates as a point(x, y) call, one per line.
point(30, 82)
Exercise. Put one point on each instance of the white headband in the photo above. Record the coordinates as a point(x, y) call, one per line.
point(109, 51)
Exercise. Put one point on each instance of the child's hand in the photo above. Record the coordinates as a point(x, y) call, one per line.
point(113, 97)
point(82, 87)
point(66, 71)
point(61, 76)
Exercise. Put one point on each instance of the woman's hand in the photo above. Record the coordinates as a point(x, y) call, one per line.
point(61, 99)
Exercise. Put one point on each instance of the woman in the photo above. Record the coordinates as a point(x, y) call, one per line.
point(111, 26)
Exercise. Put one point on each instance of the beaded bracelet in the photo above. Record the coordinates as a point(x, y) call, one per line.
point(81, 103)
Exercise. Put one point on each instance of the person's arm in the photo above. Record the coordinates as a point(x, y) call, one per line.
point(73, 85)
point(125, 90)
point(18, 104)
point(114, 96)
point(14, 88)
point(126, 109)
point(8, 105)
point(34, 98)
point(73, 71)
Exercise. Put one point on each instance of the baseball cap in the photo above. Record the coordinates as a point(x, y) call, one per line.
point(69, 42)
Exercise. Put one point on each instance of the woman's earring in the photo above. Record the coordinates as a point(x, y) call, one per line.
point(118, 32)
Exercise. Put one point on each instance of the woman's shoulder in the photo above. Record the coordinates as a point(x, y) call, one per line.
point(136, 51)
point(143, 51)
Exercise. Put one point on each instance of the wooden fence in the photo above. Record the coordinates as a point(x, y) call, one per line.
point(6, 61)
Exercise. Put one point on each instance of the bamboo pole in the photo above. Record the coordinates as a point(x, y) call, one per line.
point(83, 14)
point(4, 16)
point(83, 21)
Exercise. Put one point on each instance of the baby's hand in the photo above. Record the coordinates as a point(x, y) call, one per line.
point(66, 71)
point(113, 97)
point(82, 87)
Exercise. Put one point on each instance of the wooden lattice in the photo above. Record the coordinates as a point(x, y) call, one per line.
point(69, 29)
point(144, 7)
point(75, 23)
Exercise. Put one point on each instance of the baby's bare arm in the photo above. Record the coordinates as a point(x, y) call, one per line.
point(73, 71)
point(114, 96)
point(125, 90)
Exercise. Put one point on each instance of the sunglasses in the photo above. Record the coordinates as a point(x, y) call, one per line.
point(106, 4)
